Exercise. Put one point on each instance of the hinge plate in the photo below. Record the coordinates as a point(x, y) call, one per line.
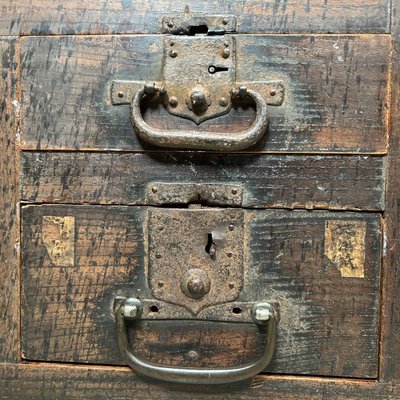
point(192, 23)
point(221, 194)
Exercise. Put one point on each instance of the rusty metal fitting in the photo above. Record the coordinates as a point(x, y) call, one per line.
point(195, 283)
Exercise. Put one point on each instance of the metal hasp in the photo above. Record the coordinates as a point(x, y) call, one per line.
point(199, 82)
point(195, 271)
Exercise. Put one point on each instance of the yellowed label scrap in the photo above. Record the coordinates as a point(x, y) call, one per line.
point(58, 235)
point(345, 246)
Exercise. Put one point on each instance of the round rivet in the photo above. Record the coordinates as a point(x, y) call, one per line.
point(171, 24)
point(160, 228)
point(199, 100)
point(121, 95)
point(160, 284)
point(229, 255)
point(158, 256)
point(225, 21)
point(231, 285)
point(231, 227)
point(223, 102)
point(193, 355)
point(226, 44)
point(154, 189)
point(234, 191)
point(173, 101)
point(171, 43)
point(272, 93)
point(173, 53)
point(195, 283)
point(226, 53)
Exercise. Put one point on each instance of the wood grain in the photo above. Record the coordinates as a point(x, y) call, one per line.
point(390, 338)
point(49, 17)
point(332, 182)
point(41, 381)
point(67, 309)
point(9, 274)
point(336, 92)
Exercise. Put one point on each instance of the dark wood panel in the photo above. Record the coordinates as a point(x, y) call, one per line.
point(390, 339)
point(330, 182)
point(9, 274)
point(335, 101)
point(77, 259)
point(44, 17)
point(40, 381)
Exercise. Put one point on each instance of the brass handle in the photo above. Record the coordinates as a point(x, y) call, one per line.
point(201, 140)
point(264, 316)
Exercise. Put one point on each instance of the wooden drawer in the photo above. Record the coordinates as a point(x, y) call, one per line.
point(323, 268)
point(336, 92)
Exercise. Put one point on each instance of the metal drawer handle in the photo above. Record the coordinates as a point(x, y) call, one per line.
point(221, 141)
point(263, 315)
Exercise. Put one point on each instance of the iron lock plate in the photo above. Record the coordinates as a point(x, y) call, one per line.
point(195, 256)
point(199, 74)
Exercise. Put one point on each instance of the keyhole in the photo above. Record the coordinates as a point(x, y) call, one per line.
point(211, 247)
point(212, 69)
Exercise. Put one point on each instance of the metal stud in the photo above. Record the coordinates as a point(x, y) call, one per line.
point(173, 101)
point(226, 53)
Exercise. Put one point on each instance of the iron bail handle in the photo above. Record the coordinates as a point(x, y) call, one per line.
point(201, 140)
point(130, 309)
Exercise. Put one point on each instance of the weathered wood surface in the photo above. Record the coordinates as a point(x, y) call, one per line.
point(9, 227)
point(40, 381)
point(70, 280)
point(390, 338)
point(46, 17)
point(287, 181)
point(336, 92)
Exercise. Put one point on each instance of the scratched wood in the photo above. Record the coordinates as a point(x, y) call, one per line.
point(336, 92)
point(47, 17)
point(9, 275)
point(70, 280)
point(47, 382)
point(390, 345)
point(288, 181)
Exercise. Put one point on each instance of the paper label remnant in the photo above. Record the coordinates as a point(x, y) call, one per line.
point(345, 246)
point(58, 235)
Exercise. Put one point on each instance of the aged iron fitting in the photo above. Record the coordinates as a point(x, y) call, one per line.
point(196, 267)
point(199, 82)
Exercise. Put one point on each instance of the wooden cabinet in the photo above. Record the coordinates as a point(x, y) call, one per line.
point(199, 187)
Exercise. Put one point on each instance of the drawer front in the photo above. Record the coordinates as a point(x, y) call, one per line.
point(268, 181)
point(321, 267)
point(335, 92)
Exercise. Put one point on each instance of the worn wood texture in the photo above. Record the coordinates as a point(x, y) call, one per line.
point(287, 181)
point(41, 381)
point(46, 17)
point(390, 338)
point(336, 92)
point(9, 230)
point(70, 280)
